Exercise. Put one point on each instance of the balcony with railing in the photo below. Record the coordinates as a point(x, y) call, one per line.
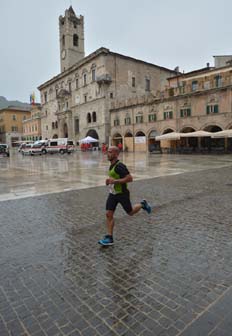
point(104, 79)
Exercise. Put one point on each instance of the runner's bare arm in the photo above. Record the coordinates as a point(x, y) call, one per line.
point(128, 178)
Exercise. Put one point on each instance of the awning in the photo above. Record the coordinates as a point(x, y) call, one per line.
point(197, 134)
point(168, 136)
point(88, 139)
point(223, 134)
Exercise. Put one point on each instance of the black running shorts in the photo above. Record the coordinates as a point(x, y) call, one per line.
point(123, 199)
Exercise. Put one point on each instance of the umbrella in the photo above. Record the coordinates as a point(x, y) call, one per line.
point(223, 134)
point(168, 136)
point(88, 139)
point(197, 134)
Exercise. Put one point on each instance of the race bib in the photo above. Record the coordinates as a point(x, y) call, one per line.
point(111, 189)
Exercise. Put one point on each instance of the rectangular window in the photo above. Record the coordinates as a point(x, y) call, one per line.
point(194, 85)
point(127, 121)
point(147, 84)
point(171, 92)
point(215, 109)
point(70, 86)
point(151, 117)
point(111, 95)
point(207, 85)
point(45, 97)
point(185, 112)
point(212, 109)
point(218, 81)
point(168, 115)
point(133, 81)
point(14, 128)
point(77, 83)
point(85, 98)
point(182, 88)
point(139, 119)
point(13, 117)
point(77, 129)
point(85, 79)
point(93, 75)
point(116, 122)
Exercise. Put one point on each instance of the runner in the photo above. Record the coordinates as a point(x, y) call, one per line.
point(117, 181)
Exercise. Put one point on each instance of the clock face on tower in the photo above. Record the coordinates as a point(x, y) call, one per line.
point(63, 54)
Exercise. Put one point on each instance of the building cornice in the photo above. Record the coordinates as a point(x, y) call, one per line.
point(98, 52)
point(168, 99)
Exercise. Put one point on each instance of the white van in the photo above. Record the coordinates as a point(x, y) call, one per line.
point(59, 145)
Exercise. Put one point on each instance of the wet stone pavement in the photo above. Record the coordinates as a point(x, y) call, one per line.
point(168, 274)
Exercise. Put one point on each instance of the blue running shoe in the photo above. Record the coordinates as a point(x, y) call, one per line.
point(146, 206)
point(106, 241)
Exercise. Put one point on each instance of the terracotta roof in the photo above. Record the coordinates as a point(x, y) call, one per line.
point(16, 108)
point(194, 72)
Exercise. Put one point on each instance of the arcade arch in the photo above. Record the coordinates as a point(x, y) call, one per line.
point(168, 130)
point(140, 142)
point(187, 129)
point(117, 138)
point(213, 128)
point(153, 145)
point(92, 133)
point(212, 143)
point(188, 142)
point(128, 141)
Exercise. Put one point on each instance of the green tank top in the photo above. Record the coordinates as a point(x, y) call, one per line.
point(117, 188)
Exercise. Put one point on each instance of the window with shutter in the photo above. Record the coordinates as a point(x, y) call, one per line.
point(215, 109)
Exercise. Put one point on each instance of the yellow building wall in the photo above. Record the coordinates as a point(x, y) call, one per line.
point(18, 122)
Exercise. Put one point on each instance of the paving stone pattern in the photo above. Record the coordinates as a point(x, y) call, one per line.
point(168, 274)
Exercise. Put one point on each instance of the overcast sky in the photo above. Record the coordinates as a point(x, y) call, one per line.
point(168, 33)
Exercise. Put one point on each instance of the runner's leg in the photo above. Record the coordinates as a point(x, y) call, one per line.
point(110, 222)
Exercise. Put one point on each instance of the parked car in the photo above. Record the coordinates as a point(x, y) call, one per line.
point(33, 149)
point(4, 150)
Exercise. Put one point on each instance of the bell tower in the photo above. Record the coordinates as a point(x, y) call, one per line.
point(72, 47)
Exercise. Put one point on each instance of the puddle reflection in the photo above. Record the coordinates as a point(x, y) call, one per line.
point(56, 173)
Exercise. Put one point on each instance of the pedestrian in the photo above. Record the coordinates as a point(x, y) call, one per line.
point(103, 148)
point(120, 146)
point(117, 181)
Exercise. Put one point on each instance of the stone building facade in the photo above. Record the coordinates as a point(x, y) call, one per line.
point(72, 39)
point(198, 100)
point(76, 102)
